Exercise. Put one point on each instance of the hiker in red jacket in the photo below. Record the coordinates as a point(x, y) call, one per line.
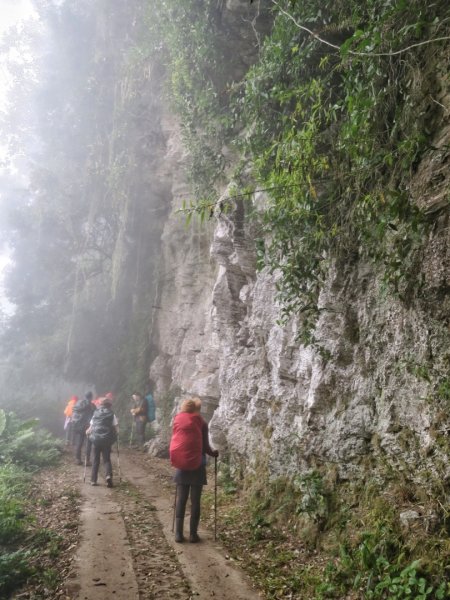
point(188, 448)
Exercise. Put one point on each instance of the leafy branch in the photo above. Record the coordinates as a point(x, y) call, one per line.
point(354, 52)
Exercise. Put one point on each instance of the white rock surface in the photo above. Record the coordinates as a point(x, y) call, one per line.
point(274, 402)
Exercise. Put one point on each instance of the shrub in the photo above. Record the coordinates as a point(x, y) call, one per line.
point(14, 570)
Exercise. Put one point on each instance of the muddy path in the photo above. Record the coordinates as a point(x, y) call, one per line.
point(127, 549)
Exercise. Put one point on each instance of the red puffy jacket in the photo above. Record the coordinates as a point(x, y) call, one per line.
point(186, 443)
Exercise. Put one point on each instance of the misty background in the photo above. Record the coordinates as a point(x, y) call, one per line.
point(75, 222)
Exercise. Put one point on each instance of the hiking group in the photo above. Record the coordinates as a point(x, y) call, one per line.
point(94, 421)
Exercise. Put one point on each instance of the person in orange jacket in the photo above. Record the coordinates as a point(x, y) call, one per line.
point(68, 411)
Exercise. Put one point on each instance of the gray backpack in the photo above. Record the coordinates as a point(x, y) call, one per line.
point(102, 428)
point(81, 415)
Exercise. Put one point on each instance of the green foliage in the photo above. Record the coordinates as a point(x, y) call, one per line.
point(13, 479)
point(376, 556)
point(357, 529)
point(333, 136)
point(226, 479)
point(258, 527)
point(14, 570)
point(406, 584)
point(187, 34)
point(367, 567)
point(14, 567)
point(13, 482)
point(22, 443)
point(337, 141)
point(11, 520)
point(443, 391)
point(50, 578)
point(23, 448)
point(313, 499)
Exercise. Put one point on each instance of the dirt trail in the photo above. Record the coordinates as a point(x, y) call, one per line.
point(127, 550)
point(104, 559)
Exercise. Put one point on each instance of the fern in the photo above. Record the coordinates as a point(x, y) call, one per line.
point(22, 443)
point(14, 570)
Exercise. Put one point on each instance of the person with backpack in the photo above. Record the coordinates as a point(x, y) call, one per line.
point(188, 448)
point(139, 412)
point(81, 415)
point(103, 431)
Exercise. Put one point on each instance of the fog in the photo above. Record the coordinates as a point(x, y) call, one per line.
point(72, 216)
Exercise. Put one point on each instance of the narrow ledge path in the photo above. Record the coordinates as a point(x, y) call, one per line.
point(127, 549)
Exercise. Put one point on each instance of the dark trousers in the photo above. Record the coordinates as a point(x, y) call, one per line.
point(105, 452)
point(140, 431)
point(182, 496)
point(79, 441)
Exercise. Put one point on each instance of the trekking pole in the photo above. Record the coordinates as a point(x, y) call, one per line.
point(118, 462)
point(132, 431)
point(174, 508)
point(215, 498)
point(85, 468)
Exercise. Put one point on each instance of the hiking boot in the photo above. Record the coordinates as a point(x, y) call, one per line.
point(193, 528)
point(94, 483)
point(109, 482)
point(179, 537)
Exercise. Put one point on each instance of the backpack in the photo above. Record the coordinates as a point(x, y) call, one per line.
point(151, 411)
point(186, 443)
point(102, 428)
point(81, 415)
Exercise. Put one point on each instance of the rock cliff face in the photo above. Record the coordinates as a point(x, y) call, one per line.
point(376, 392)
point(181, 326)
